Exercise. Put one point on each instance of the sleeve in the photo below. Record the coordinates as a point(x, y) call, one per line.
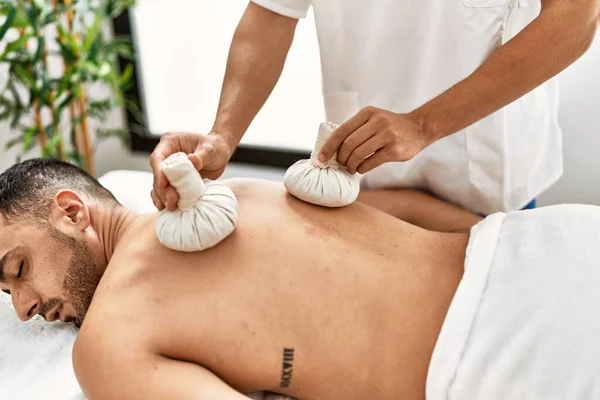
point(289, 8)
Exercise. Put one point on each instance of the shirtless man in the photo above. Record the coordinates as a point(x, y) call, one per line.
point(305, 301)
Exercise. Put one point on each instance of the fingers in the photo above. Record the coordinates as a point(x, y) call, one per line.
point(171, 198)
point(212, 175)
point(380, 157)
point(196, 159)
point(360, 154)
point(157, 202)
point(355, 140)
point(163, 150)
point(203, 156)
point(342, 132)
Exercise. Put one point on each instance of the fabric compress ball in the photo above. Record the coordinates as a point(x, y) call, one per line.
point(326, 184)
point(207, 211)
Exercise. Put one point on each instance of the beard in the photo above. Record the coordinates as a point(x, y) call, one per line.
point(81, 279)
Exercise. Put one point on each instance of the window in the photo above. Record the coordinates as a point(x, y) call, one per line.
point(182, 54)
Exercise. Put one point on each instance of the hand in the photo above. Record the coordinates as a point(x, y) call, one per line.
point(373, 137)
point(209, 154)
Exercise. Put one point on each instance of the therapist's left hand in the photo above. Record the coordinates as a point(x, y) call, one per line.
point(374, 137)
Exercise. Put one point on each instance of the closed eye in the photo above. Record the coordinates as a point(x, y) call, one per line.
point(20, 270)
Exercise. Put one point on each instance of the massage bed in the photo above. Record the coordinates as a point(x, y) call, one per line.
point(522, 325)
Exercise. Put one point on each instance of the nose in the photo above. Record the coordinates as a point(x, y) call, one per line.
point(26, 307)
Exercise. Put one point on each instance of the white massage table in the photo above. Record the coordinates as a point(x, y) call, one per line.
point(35, 357)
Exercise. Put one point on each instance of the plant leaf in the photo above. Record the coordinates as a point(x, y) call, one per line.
point(40, 49)
point(68, 100)
point(32, 16)
point(45, 93)
point(115, 7)
point(15, 93)
point(99, 109)
point(119, 133)
point(126, 76)
point(24, 75)
point(54, 15)
point(16, 119)
point(21, 20)
point(75, 158)
point(95, 47)
point(5, 6)
point(65, 81)
point(17, 44)
point(50, 147)
point(92, 32)
point(18, 106)
point(62, 32)
point(66, 52)
point(120, 46)
point(132, 105)
point(42, 6)
point(89, 69)
point(19, 56)
point(28, 138)
point(13, 142)
point(6, 108)
point(105, 70)
point(10, 18)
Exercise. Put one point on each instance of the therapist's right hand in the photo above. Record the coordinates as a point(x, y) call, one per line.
point(209, 154)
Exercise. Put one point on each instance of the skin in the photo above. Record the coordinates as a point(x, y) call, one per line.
point(213, 324)
point(560, 35)
point(52, 269)
point(421, 209)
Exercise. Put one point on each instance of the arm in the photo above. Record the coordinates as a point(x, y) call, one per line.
point(420, 209)
point(562, 32)
point(257, 54)
point(256, 58)
point(114, 374)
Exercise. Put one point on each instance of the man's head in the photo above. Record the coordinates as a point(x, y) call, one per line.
point(51, 259)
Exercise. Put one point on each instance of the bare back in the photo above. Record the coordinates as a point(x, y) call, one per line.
point(358, 295)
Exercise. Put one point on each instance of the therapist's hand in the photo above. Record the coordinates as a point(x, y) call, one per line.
point(374, 137)
point(209, 154)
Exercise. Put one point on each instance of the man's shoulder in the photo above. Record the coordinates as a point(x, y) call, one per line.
point(115, 317)
point(122, 286)
point(137, 238)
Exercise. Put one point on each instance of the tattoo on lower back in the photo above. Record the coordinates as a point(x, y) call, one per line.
point(287, 367)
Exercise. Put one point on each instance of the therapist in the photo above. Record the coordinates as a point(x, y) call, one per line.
point(454, 96)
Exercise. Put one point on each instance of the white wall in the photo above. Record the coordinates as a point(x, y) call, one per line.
point(183, 64)
point(580, 120)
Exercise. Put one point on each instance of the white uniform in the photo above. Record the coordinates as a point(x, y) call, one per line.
point(398, 54)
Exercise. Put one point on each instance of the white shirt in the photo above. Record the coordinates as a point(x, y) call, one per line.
point(399, 54)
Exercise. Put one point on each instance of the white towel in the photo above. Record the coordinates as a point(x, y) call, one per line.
point(524, 322)
point(35, 358)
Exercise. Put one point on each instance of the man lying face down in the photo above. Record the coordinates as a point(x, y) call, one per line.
point(310, 302)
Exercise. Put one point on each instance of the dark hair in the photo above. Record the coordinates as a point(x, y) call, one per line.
point(27, 188)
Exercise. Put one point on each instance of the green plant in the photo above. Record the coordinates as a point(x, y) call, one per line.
point(41, 105)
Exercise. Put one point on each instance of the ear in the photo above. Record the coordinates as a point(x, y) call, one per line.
point(70, 209)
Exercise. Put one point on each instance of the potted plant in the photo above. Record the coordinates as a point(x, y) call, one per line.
point(51, 109)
